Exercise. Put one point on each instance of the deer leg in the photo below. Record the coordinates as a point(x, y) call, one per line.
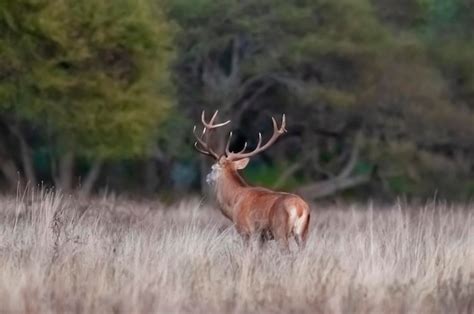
point(265, 236)
point(261, 240)
point(281, 229)
point(245, 239)
point(284, 245)
point(302, 234)
point(244, 234)
point(300, 241)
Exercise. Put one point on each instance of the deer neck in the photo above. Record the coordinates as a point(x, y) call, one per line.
point(228, 188)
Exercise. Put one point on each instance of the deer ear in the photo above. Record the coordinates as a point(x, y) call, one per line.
point(241, 164)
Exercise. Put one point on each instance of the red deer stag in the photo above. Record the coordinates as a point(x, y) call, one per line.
point(254, 210)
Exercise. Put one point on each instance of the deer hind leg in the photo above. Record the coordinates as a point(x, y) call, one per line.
point(300, 241)
point(264, 236)
point(244, 235)
point(300, 229)
point(281, 230)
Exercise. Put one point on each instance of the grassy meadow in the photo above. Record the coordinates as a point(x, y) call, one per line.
point(59, 254)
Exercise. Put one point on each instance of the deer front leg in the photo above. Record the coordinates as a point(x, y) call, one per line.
point(244, 234)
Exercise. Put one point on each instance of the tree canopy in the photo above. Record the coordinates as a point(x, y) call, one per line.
point(91, 78)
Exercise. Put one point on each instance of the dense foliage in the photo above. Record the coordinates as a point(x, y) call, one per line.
point(379, 94)
point(376, 91)
point(87, 79)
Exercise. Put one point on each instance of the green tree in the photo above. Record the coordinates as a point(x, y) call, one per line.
point(91, 78)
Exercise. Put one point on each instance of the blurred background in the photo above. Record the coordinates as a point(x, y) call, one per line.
point(102, 95)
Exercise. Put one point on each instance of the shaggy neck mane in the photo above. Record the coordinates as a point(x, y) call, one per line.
point(229, 182)
point(228, 189)
point(234, 178)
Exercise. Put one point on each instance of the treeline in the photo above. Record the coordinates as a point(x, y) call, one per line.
point(379, 95)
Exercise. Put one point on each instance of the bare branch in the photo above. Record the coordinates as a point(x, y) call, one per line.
point(91, 178)
point(235, 69)
point(332, 186)
point(342, 181)
point(353, 159)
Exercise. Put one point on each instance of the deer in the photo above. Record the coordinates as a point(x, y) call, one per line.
point(254, 211)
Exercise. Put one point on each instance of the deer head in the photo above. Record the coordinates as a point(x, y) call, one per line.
point(228, 160)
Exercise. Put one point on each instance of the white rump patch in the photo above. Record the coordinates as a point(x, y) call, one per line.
point(296, 223)
point(300, 224)
point(293, 217)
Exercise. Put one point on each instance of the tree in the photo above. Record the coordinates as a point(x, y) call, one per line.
point(83, 79)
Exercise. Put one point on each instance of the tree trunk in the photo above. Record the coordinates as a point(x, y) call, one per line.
point(27, 162)
point(10, 172)
point(90, 179)
point(26, 155)
point(344, 180)
point(8, 167)
point(151, 177)
point(64, 181)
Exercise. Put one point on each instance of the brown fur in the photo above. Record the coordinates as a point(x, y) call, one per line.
point(259, 211)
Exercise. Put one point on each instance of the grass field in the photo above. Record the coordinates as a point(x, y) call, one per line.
point(108, 255)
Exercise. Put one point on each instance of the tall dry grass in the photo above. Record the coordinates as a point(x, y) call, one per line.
point(59, 254)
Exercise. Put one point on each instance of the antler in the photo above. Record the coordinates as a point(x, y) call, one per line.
point(277, 132)
point(202, 142)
